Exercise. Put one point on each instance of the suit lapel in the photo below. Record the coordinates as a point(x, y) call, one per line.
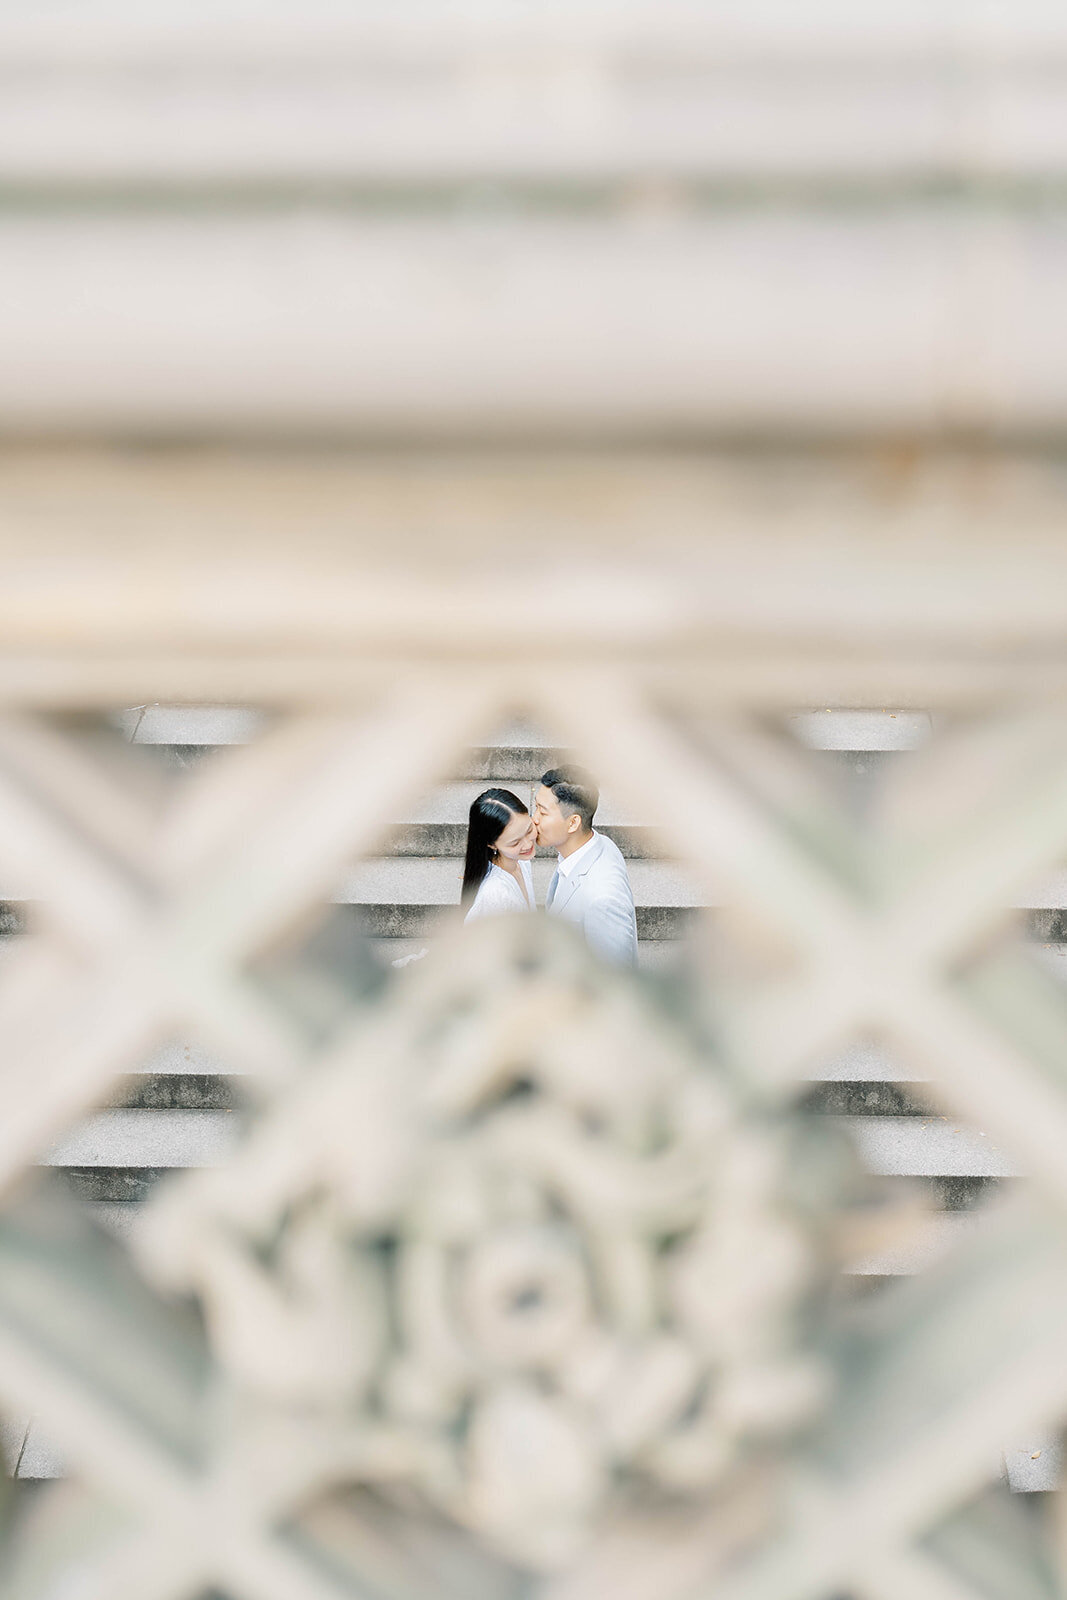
point(567, 885)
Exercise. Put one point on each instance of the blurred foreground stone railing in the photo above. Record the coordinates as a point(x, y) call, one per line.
point(521, 1273)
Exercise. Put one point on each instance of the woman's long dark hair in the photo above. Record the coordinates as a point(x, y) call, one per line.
point(490, 815)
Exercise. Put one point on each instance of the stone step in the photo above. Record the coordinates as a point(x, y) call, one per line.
point(397, 928)
point(653, 955)
point(451, 802)
point(220, 1090)
point(423, 883)
point(414, 885)
point(661, 885)
point(178, 1091)
point(199, 727)
point(518, 744)
point(825, 729)
point(436, 880)
point(852, 1097)
point(1035, 1468)
point(511, 760)
point(28, 1452)
point(449, 839)
point(147, 1138)
point(517, 755)
point(437, 824)
point(408, 923)
point(925, 1147)
point(119, 1153)
point(395, 920)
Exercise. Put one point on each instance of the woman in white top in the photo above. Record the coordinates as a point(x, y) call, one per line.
point(501, 840)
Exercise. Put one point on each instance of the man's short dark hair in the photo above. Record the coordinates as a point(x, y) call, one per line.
point(575, 790)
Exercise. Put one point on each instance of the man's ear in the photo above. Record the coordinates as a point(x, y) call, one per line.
point(574, 823)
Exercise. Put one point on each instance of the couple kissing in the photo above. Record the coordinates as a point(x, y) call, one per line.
point(590, 887)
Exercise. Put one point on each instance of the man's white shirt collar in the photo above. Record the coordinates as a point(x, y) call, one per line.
point(567, 864)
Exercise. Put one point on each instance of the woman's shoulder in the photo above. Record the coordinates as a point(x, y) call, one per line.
point(495, 893)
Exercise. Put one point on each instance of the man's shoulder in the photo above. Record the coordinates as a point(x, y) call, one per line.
point(609, 855)
point(610, 863)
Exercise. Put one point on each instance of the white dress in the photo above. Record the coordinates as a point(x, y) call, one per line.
point(499, 892)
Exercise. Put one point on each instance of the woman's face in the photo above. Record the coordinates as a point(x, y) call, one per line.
point(518, 840)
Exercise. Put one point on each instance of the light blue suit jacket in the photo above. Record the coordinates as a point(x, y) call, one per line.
point(597, 897)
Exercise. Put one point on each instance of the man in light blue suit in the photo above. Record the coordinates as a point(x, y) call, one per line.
point(591, 886)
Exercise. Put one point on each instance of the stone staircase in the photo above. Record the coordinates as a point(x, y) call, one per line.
point(184, 1110)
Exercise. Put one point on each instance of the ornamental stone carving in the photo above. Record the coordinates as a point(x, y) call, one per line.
point(532, 1236)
